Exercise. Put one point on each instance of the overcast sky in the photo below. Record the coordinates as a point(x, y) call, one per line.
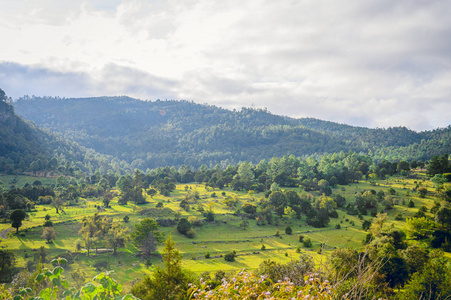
point(368, 63)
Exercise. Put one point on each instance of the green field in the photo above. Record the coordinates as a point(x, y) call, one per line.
point(216, 238)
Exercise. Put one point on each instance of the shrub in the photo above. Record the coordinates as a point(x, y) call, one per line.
point(191, 233)
point(307, 243)
point(301, 238)
point(230, 256)
point(288, 230)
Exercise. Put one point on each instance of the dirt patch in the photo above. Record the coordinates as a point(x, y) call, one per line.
point(4, 233)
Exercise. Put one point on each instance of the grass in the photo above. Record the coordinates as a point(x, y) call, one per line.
point(217, 238)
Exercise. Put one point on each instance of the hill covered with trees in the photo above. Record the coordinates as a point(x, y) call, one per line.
point(149, 134)
point(25, 147)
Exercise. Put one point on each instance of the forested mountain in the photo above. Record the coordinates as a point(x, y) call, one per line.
point(149, 134)
point(26, 148)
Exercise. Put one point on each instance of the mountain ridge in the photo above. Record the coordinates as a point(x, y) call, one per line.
point(151, 134)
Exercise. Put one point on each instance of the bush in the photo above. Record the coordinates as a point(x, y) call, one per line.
point(191, 233)
point(399, 217)
point(288, 230)
point(307, 243)
point(183, 226)
point(230, 256)
point(301, 238)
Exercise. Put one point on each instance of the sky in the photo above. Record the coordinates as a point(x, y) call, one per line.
point(372, 63)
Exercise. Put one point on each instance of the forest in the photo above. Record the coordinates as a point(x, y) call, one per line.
point(370, 218)
point(151, 134)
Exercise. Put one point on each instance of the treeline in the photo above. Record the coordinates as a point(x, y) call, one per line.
point(150, 134)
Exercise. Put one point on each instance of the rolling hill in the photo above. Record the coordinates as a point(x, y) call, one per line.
point(149, 134)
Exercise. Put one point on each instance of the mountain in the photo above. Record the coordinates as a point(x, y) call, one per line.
point(24, 147)
point(149, 134)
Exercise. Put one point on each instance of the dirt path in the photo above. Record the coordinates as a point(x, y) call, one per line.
point(4, 233)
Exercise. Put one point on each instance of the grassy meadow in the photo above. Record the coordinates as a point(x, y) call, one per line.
point(216, 238)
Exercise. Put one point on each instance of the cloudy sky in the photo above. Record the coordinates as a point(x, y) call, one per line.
point(374, 63)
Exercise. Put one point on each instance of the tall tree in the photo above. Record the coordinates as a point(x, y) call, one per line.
point(169, 282)
point(16, 218)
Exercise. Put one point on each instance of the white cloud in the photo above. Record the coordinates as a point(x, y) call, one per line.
point(368, 63)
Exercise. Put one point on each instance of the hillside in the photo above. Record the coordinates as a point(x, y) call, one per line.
point(25, 147)
point(149, 134)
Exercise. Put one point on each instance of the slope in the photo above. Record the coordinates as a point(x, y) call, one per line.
point(150, 134)
point(26, 148)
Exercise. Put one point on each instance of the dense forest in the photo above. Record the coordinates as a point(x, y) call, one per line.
point(150, 134)
point(25, 147)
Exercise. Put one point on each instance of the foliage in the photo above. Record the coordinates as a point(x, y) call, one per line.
point(170, 282)
point(16, 218)
point(142, 231)
point(230, 256)
point(7, 265)
point(183, 226)
point(248, 135)
point(102, 287)
point(431, 282)
point(245, 284)
point(48, 234)
point(419, 228)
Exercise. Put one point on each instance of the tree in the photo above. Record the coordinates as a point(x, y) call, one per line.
point(379, 225)
point(143, 229)
point(183, 226)
point(230, 256)
point(107, 197)
point(249, 208)
point(116, 236)
point(48, 234)
point(169, 282)
point(57, 203)
point(438, 180)
point(151, 192)
point(7, 266)
point(16, 218)
point(94, 228)
point(149, 245)
point(419, 228)
point(288, 230)
point(416, 257)
point(244, 225)
point(443, 216)
point(433, 282)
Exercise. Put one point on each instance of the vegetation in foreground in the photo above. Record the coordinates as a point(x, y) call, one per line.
point(386, 220)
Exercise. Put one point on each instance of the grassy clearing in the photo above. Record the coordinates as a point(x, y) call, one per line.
point(217, 238)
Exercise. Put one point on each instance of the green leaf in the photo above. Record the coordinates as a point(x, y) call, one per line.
point(56, 281)
point(54, 261)
point(62, 260)
point(57, 271)
point(39, 277)
point(89, 288)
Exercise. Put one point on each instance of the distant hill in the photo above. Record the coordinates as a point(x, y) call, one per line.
point(26, 148)
point(149, 134)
